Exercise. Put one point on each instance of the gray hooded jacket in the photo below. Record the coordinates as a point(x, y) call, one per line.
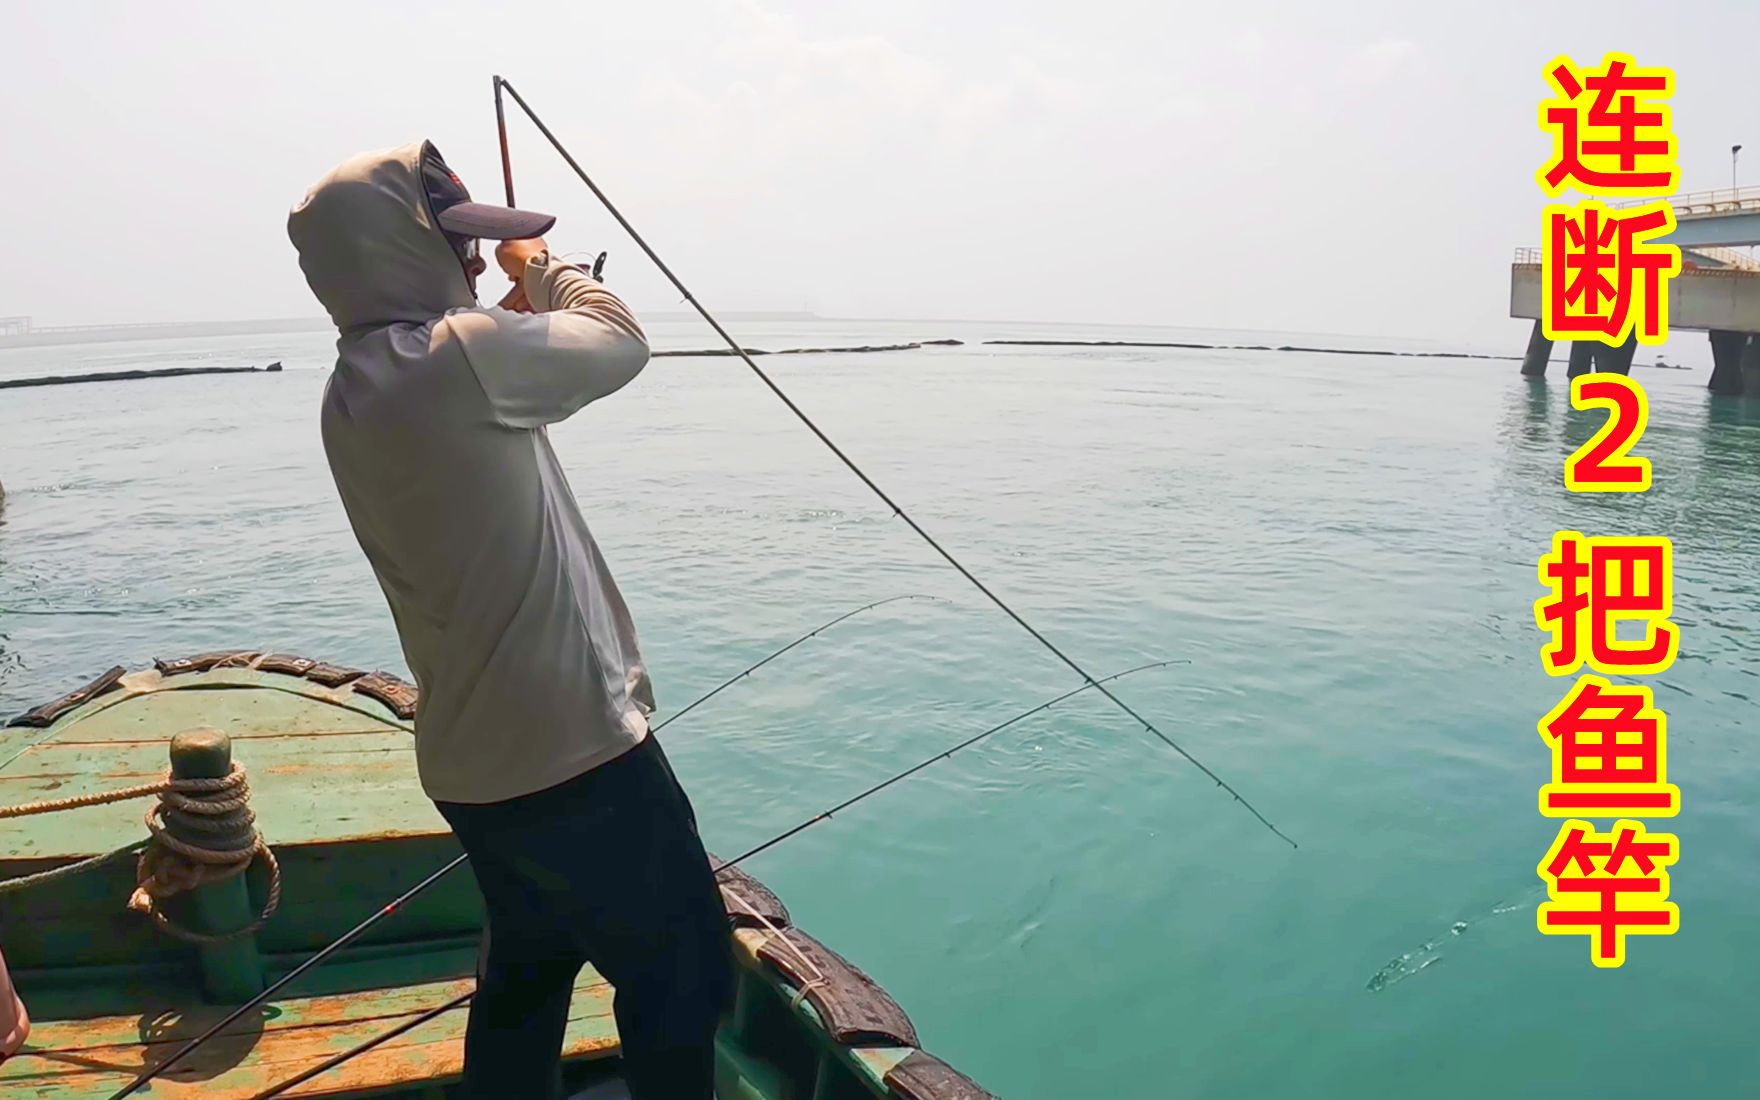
point(434, 425)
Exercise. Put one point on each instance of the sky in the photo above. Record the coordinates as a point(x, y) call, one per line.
point(1346, 167)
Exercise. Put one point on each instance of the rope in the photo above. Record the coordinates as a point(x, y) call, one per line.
point(55, 804)
point(217, 810)
point(13, 885)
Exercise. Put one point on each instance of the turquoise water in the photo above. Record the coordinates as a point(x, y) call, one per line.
point(1342, 546)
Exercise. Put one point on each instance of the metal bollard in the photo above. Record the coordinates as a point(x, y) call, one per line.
point(232, 971)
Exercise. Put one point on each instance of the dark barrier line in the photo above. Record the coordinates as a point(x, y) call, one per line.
point(1245, 347)
point(130, 375)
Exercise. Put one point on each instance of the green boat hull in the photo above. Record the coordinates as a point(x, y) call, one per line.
point(330, 761)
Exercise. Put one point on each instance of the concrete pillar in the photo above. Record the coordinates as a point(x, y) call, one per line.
point(1616, 360)
point(232, 970)
point(1726, 361)
point(1539, 351)
point(1582, 358)
point(1751, 366)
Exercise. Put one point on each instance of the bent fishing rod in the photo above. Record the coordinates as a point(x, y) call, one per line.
point(501, 84)
point(463, 999)
point(458, 861)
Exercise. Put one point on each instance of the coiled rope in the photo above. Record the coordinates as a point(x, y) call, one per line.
point(216, 810)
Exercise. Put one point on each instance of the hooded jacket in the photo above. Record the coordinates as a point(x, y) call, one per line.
point(434, 426)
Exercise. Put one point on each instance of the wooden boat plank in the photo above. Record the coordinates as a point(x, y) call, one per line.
point(336, 794)
point(16, 739)
point(265, 705)
point(346, 787)
point(381, 811)
point(96, 1057)
point(392, 1003)
point(125, 763)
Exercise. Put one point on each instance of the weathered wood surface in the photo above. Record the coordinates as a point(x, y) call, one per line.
point(325, 765)
point(94, 1058)
point(333, 787)
point(335, 793)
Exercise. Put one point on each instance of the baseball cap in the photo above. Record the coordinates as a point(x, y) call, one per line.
point(460, 217)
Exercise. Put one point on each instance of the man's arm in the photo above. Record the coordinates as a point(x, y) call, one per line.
point(580, 342)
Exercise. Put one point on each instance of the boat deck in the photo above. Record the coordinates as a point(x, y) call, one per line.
point(326, 765)
point(69, 1059)
point(330, 761)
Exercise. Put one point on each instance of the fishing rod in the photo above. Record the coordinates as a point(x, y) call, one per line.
point(403, 899)
point(276, 986)
point(808, 636)
point(507, 164)
point(826, 815)
point(463, 999)
point(897, 510)
point(331, 1063)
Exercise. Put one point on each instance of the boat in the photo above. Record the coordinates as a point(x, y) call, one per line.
point(122, 962)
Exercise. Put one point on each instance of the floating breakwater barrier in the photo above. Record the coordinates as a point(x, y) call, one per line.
point(131, 375)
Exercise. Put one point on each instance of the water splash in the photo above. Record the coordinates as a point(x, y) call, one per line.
point(1429, 953)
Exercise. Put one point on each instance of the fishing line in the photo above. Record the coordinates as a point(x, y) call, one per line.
point(943, 755)
point(730, 681)
point(354, 933)
point(612, 209)
point(462, 999)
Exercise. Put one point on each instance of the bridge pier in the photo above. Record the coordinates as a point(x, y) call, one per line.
point(1616, 360)
point(1582, 358)
point(1751, 366)
point(1539, 353)
point(1727, 350)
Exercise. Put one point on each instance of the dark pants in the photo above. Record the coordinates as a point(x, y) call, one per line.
point(605, 868)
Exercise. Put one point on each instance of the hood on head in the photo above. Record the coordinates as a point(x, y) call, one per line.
point(369, 247)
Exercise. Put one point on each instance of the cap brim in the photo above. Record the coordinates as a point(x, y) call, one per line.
point(497, 223)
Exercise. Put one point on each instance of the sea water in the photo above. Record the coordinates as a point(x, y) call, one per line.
point(1342, 547)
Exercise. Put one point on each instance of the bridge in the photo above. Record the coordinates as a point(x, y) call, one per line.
point(1717, 291)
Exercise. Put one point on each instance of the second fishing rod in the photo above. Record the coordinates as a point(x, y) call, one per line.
point(464, 999)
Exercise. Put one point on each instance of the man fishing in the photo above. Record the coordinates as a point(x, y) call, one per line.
point(532, 727)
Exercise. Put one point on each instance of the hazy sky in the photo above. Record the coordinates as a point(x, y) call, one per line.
point(1347, 167)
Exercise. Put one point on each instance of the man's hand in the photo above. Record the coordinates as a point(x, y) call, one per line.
point(15, 1023)
point(516, 300)
point(512, 255)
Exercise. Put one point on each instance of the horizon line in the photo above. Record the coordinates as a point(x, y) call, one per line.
point(269, 325)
